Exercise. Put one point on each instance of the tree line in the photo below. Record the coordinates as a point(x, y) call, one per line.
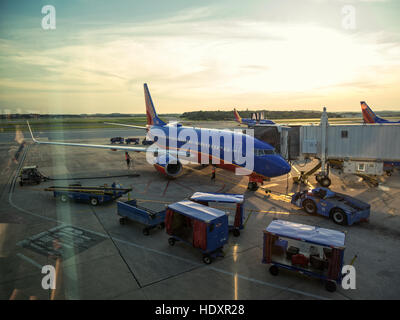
point(228, 115)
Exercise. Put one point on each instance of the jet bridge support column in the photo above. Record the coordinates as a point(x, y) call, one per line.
point(323, 177)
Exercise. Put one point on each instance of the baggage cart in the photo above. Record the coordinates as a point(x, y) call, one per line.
point(200, 226)
point(313, 251)
point(92, 195)
point(130, 210)
point(206, 198)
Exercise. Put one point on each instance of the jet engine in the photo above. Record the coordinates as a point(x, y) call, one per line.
point(168, 165)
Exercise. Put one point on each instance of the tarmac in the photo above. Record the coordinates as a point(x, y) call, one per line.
point(113, 261)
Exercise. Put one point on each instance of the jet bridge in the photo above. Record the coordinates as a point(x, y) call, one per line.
point(362, 149)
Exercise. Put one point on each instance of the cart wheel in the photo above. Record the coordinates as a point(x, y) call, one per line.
point(122, 221)
point(338, 216)
point(94, 201)
point(330, 285)
point(146, 231)
point(63, 198)
point(161, 226)
point(309, 206)
point(171, 241)
point(274, 270)
point(206, 259)
point(236, 232)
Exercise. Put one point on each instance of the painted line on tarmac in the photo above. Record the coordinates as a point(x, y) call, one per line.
point(270, 185)
point(183, 186)
point(276, 286)
point(166, 187)
point(247, 219)
point(221, 189)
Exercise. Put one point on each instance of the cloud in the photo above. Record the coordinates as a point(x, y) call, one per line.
point(194, 59)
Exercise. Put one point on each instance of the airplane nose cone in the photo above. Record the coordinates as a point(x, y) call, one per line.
point(281, 166)
point(286, 168)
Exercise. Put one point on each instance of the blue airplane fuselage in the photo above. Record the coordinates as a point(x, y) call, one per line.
point(252, 122)
point(219, 144)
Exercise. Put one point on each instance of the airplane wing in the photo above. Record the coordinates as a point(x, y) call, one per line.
point(126, 125)
point(99, 146)
point(160, 151)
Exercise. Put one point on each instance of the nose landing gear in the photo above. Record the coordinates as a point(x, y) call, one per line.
point(254, 181)
point(252, 186)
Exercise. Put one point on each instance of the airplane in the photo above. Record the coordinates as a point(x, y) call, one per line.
point(267, 163)
point(250, 122)
point(370, 116)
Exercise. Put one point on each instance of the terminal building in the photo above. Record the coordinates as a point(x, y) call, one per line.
point(363, 149)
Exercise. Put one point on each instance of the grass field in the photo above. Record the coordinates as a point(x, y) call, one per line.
point(68, 123)
point(90, 123)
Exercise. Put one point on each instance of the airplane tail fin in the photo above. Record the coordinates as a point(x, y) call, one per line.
point(368, 115)
point(237, 116)
point(152, 117)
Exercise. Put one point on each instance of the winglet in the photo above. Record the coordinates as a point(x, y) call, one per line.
point(30, 130)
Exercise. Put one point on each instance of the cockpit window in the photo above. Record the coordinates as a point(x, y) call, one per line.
point(262, 152)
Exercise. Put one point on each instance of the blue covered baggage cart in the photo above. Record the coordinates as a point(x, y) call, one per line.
point(200, 226)
point(92, 195)
point(238, 199)
point(130, 210)
point(310, 250)
point(341, 208)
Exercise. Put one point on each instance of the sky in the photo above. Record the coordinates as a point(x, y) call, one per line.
point(199, 55)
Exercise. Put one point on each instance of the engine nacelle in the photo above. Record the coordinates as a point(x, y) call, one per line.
point(169, 166)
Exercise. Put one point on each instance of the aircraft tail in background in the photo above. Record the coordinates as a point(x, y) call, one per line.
point(152, 117)
point(370, 117)
point(237, 116)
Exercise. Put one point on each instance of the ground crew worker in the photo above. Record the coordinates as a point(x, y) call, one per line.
point(128, 159)
point(213, 173)
point(113, 187)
